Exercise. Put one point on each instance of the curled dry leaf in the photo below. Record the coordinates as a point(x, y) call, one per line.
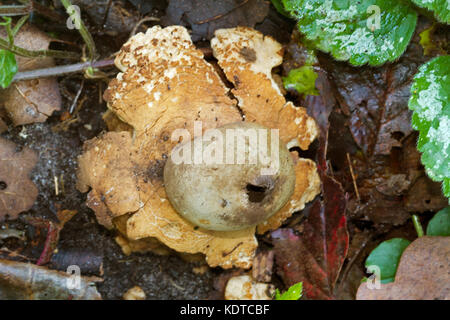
point(165, 84)
point(204, 16)
point(17, 191)
point(422, 274)
point(31, 101)
point(25, 281)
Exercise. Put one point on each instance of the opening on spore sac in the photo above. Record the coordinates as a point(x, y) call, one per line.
point(256, 193)
point(3, 185)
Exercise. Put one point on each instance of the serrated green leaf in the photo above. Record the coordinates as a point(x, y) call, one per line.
point(303, 80)
point(349, 30)
point(440, 8)
point(386, 257)
point(440, 224)
point(430, 101)
point(293, 293)
point(8, 67)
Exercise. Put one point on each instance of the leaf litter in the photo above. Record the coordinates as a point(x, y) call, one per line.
point(415, 191)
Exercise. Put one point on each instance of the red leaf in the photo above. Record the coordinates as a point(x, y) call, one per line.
point(315, 255)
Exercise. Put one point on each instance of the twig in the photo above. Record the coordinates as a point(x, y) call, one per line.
point(19, 24)
point(351, 262)
point(33, 6)
point(4, 44)
point(83, 30)
point(140, 22)
point(105, 17)
point(56, 185)
point(9, 11)
point(75, 100)
point(353, 177)
point(61, 70)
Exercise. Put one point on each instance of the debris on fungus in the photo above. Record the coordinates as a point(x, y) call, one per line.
point(245, 288)
point(164, 85)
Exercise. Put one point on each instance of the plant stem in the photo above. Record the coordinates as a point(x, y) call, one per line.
point(61, 70)
point(417, 226)
point(83, 30)
point(4, 44)
point(9, 11)
point(19, 25)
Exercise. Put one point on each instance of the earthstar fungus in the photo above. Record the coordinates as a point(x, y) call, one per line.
point(164, 85)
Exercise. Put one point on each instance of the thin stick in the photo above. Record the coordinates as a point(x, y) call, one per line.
point(105, 17)
point(4, 44)
point(9, 11)
point(61, 70)
point(55, 179)
point(353, 177)
point(140, 22)
point(74, 103)
point(19, 25)
point(352, 261)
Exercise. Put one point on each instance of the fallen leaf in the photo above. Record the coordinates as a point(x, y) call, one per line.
point(204, 17)
point(26, 281)
point(315, 256)
point(17, 191)
point(376, 99)
point(31, 101)
point(388, 181)
point(422, 274)
point(53, 230)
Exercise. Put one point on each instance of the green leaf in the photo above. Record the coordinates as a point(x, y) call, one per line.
point(440, 224)
point(303, 80)
point(440, 8)
point(430, 101)
point(293, 293)
point(349, 30)
point(8, 67)
point(279, 6)
point(386, 257)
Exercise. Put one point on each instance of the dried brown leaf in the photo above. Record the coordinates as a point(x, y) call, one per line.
point(423, 273)
point(204, 16)
point(31, 101)
point(17, 191)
